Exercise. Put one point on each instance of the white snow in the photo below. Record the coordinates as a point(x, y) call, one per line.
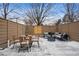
point(47, 48)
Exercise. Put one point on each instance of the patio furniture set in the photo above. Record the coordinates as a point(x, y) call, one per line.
point(25, 42)
point(52, 36)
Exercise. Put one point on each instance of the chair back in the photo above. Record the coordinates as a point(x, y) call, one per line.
point(20, 39)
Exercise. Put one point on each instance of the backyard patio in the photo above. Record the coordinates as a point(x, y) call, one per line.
point(38, 30)
point(47, 48)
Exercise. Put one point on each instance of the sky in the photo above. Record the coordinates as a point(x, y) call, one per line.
point(21, 8)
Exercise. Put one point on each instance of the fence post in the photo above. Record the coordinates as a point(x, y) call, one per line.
point(7, 34)
point(8, 43)
point(17, 26)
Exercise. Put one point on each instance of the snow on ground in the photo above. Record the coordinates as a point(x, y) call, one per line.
point(47, 48)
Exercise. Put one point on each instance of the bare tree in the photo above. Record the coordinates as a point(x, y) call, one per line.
point(58, 22)
point(70, 10)
point(77, 13)
point(38, 12)
point(5, 10)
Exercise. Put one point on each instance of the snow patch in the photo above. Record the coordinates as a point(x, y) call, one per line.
point(47, 48)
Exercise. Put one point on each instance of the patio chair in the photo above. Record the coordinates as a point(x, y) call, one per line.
point(58, 36)
point(36, 40)
point(23, 44)
point(30, 42)
point(51, 36)
point(65, 37)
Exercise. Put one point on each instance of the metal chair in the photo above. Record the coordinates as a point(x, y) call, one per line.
point(36, 40)
point(23, 44)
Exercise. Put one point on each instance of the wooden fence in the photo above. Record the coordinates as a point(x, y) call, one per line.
point(71, 28)
point(9, 29)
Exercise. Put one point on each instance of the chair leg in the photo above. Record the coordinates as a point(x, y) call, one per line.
point(38, 44)
point(30, 45)
point(30, 49)
point(27, 49)
point(20, 48)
